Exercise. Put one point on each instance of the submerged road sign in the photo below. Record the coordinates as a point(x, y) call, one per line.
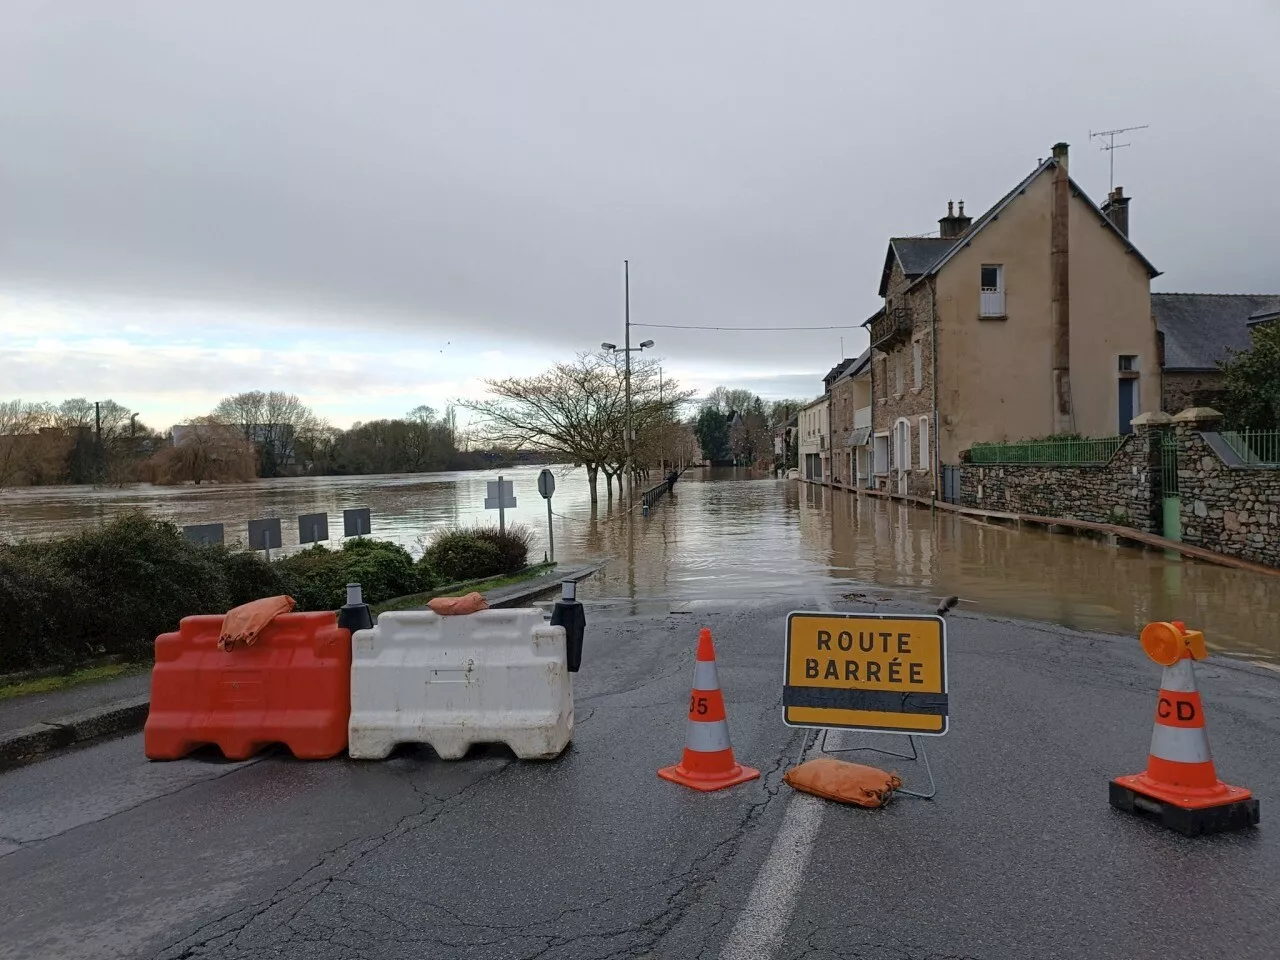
point(885, 674)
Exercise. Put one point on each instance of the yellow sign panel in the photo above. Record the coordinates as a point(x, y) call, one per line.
point(866, 672)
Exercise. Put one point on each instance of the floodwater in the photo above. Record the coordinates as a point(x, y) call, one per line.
point(726, 534)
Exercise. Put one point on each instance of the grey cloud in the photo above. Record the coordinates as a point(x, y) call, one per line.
point(439, 166)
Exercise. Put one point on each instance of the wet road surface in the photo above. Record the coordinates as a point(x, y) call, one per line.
point(591, 856)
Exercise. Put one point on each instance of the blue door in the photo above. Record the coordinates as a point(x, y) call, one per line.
point(1128, 398)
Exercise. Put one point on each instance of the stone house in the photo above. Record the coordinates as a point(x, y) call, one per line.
point(1198, 331)
point(1034, 319)
point(851, 423)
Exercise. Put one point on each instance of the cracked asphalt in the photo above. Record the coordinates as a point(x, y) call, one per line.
point(104, 855)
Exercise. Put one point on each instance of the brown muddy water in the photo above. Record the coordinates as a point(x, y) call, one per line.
point(729, 534)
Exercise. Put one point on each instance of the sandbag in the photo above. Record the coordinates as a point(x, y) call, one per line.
point(242, 624)
point(844, 782)
point(457, 606)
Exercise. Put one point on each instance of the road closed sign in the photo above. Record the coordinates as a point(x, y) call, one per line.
point(884, 674)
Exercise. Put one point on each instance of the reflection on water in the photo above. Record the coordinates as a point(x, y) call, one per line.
point(730, 534)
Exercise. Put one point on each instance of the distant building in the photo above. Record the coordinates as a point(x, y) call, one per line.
point(1034, 319)
point(851, 423)
point(813, 440)
point(1197, 332)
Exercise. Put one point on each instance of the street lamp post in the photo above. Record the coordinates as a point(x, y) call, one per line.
point(626, 352)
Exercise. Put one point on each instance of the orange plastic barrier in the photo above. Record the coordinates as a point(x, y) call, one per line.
point(293, 686)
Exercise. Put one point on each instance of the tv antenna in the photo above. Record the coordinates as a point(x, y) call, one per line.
point(1110, 145)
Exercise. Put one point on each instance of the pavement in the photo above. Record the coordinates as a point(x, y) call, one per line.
point(104, 855)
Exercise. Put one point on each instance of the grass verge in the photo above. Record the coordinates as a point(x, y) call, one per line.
point(416, 600)
point(23, 688)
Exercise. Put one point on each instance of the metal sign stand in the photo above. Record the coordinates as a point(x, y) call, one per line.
point(917, 754)
point(546, 487)
point(498, 497)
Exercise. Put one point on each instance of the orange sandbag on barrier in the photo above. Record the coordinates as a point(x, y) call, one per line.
point(292, 686)
point(458, 606)
point(845, 782)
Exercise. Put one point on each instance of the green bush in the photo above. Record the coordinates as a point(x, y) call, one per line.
point(317, 578)
point(512, 544)
point(249, 576)
point(45, 607)
point(114, 588)
point(137, 577)
point(462, 555)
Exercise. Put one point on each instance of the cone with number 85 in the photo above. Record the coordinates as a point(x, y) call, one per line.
point(708, 762)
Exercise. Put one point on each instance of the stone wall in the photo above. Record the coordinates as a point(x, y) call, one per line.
point(1226, 507)
point(1180, 389)
point(1124, 491)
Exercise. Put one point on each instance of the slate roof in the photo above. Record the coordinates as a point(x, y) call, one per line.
point(918, 254)
point(943, 250)
point(1201, 329)
point(854, 368)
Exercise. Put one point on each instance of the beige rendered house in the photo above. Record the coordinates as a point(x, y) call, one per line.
point(1033, 320)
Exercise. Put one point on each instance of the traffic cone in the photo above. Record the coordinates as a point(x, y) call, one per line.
point(708, 762)
point(1180, 784)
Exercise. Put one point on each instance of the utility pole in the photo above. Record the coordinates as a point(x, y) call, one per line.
point(626, 344)
point(626, 350)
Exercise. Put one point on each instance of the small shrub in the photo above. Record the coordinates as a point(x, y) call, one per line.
point(512, 544)
point(462, 555)
point(317, 578)
point(249, 577)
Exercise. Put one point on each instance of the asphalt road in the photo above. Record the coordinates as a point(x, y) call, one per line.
point(104, 855)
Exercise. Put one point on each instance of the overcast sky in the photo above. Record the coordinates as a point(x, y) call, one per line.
point(377, 204)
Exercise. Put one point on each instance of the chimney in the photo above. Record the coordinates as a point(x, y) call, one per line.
point(1060, 292)
point(954, 225)
point(1116, 209)
point(1060, 154)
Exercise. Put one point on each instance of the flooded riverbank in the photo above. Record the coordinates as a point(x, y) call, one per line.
point(726, 534)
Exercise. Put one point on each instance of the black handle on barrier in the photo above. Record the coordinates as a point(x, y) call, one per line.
point(355, 614)
point(569, 613)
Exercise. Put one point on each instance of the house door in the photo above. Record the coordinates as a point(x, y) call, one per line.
point(1128, 403)
point(904, 455)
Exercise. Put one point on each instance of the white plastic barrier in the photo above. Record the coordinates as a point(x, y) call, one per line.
point(497, 676)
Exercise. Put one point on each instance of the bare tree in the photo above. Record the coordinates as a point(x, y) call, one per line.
point(20, 424)
point(271, 420)
point(204, 450)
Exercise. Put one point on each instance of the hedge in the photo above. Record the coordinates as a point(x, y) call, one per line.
point(112, 589)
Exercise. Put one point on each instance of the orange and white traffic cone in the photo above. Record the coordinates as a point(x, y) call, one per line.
point(1180, 784)
point(708, 762)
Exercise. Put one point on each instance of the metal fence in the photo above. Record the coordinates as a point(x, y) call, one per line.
point(1168, 464)
point(1070, 450)
point(1255, 448)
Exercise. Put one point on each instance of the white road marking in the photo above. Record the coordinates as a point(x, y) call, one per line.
point(758, 933)
point(763, 922)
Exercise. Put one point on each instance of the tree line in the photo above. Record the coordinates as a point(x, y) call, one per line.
point(257, 433)
point(737, 426)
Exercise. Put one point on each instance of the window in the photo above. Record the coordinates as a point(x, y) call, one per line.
point(924, 443)
point(880, 453)
point(1128, 362)
point(900, 375)
point(992, 296)
point(917, 360)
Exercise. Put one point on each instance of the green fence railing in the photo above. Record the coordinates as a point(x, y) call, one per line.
point(1168, 463)
point(1256, 448)
point(1068, 450)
